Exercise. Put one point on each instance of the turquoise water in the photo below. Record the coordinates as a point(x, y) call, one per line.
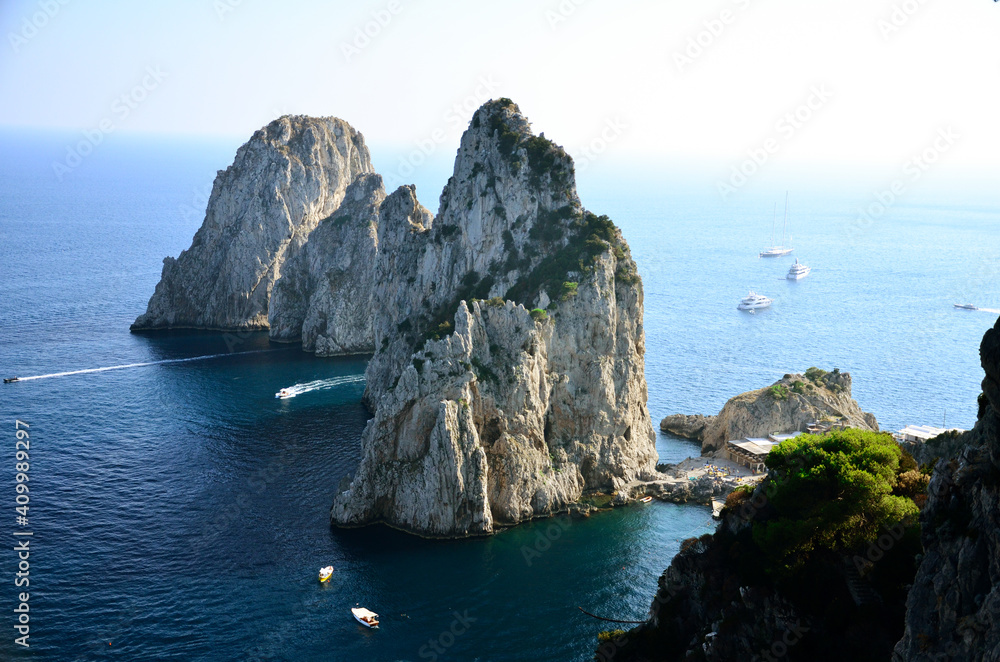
point(180, 511)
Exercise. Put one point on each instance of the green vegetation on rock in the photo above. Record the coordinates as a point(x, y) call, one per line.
point(830, 492)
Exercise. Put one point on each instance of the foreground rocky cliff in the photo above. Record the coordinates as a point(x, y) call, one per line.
point(812, 565)
point(788, 405)
point(507, 379)
point(287, 178)
point(953, 610)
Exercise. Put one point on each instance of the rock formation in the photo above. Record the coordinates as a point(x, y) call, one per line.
point(290, 175)
point(508, 377)
point(685, 426)
point(324, 295)
point(790, 404)
point(953, 609)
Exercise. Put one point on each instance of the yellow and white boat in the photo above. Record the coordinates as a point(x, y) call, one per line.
point(325, 573)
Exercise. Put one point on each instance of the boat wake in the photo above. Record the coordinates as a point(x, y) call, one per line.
point(319, 385)
point(147, 363)
point(990, 310)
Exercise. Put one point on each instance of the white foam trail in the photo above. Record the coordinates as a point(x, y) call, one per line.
point(140, 365)
point(321, 385)
point(989, 310)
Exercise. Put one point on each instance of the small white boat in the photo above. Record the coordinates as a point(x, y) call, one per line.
point(367, 618)
point(284, 394)
point(325, 573)
point(963, 306)
point(798, 271)
point(646, 499)
point(754, 301)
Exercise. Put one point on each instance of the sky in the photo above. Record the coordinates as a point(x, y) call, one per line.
point(717, 83)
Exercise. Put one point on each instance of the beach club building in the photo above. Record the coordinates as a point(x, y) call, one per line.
point(752, 451)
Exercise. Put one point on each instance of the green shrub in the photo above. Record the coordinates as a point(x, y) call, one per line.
point(610, 635)
point(539, 314)
point(778, 392)
point(829, 492)
point(568, 290)
point(815, 374)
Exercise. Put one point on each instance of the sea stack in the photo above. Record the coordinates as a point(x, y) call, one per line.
point(288, 177)
point(508, 374)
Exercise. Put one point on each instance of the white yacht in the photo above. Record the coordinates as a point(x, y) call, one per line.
point(284, 394)
point(779, 250)
point(753, 301)
point(798, 271)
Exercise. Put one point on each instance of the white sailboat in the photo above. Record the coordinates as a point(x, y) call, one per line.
point(781, 250)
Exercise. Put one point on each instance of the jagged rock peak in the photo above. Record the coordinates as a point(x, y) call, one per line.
point(490, 410)
point(290, 174)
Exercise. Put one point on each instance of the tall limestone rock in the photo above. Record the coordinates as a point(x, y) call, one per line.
point(290, 175)
point(324, 295)
point(488, 409)
point(953, 609)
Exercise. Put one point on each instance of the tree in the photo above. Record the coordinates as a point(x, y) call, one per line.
point(829, 492)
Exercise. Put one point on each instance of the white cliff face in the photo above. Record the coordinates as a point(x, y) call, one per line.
point(324, 295)
point(486, 413)
point(290, 175)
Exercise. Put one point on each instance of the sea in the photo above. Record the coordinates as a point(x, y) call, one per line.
point(179, 511)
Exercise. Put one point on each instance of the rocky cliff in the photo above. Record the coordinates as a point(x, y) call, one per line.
point(287, 178)
point(953, 609)
point(507, 378)
point(790, 404)
point(810, 566)
point(325, 294)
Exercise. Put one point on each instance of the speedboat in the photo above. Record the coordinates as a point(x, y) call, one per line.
point(367, 618)
point(798, 271)
point(753, 301)
point(325, 573)
point(10, 380)
point(284, 394)
point(963, 306)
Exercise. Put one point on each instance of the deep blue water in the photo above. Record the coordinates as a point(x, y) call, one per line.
point(180, 512)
